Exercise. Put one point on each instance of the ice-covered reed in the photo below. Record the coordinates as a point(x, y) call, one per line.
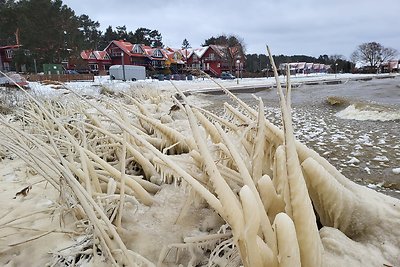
point(283, 204)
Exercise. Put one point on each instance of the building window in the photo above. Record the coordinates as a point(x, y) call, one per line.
point(212, 56)
point(137, 50)
point(157, 63)
point(116, 52)
point(158, 53)
point(94, 67)
point(9, 53)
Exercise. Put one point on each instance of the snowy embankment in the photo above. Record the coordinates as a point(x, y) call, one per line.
point(199, 84)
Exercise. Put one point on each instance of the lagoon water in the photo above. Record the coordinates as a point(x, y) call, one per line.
point(354, 124)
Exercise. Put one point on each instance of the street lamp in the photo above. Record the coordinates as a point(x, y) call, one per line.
point(186, 58)
point(336, 64)
point(238, 69)
point(123, 66)
point(34, 65)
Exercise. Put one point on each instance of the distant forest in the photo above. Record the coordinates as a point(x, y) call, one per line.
point(50, 31)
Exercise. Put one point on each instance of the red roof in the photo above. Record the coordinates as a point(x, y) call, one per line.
point(301, 65)
point(98, 55)
point(393, 64)
point(150, 52)
point(127, 48)
point(101, 55)
point(85, 54)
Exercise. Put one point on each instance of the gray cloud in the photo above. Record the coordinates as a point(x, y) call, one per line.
point(310, 27)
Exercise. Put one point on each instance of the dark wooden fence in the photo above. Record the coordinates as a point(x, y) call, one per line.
point(59, 77)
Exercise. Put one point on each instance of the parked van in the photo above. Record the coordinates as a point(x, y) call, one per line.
point(132, 73)
point(227, 76)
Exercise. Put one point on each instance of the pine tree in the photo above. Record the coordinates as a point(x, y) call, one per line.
point(185, 44)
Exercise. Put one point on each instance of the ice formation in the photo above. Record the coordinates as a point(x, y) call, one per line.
point(281, 203)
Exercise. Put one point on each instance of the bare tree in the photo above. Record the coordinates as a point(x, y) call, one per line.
point(373, 54)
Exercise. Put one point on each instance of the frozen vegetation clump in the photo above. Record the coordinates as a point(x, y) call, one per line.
point(261, 197)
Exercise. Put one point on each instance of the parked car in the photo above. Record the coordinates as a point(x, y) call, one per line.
point(71, 72)
point(83, 71)
point(159, 77)
point(17, 80)
point(177, 77)
point(227, 76)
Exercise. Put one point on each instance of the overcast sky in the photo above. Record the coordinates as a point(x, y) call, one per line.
point(309, 27)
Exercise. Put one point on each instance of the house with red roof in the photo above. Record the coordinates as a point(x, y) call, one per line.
point(130, 54)
point(136, 54)
point(304, 68)
point(390, 66)
point(6, 57)
point(212, 59)
point(119, 51)
point(157, 56)
point(98, 61)
point(215, 59)
point(176, 59)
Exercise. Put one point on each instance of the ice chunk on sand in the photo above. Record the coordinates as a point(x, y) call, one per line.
point(353, 160)
point(381, 158)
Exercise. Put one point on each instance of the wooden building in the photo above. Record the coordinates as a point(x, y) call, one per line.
point(98, 61)
point(215, 59)
point(6, 57)
point(212, 59)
